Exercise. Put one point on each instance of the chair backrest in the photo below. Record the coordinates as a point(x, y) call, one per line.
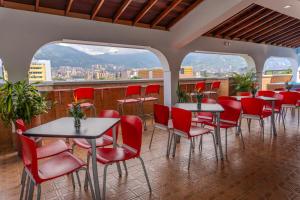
point(110, 114)
point(84, 93)
point(20, 125)
point(222, 98)
point(161, 114)
point(290, 98)
point(182, 120)
point(245, 94)
point(215, 85)
point(200, 85)
point(29, 155)
point(152, 89)
point(132, 130)
point(208, 100)
point(232, 110)
point(133, 90)
point(252, 106)
point(266, 93)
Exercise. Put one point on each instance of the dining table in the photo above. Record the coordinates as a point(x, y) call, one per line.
point(214, 108)
point(269, 99)
point(90, 129)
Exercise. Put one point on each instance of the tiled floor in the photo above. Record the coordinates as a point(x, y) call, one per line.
point(266, 169)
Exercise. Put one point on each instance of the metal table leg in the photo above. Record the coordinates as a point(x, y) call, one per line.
point(95, 170)
point(219, 136)
point(115, 145)
point(273, 119)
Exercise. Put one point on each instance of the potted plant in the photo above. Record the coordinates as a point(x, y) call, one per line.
point(182, 96)
point(77, 113)
point(20, 100)
point(199, 96)
point(243, 82)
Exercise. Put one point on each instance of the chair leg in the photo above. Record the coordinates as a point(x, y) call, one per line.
point(168, 144)
point(73, 180)
point(31, 190)
point(78, 179)
point(151, 137)
point(215, 145)
point(200, 143)
point(119, 169)
point(283, 120)
point(27, 187)
point(146, 175)
point(88, 177)
point(249, 124)
point(191, 147)
point(86, 173)
point(23, 182)
point(226, 141)
point(175, 142)
point(104, 181)
point(125, 167)
point(39, 192)
point(242, 138)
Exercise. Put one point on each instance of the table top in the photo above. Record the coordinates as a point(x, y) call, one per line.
point(260, 97)
point(90, 128)
point(205, 107)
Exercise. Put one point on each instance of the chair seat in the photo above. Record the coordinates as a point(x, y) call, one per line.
point(276, 109)
point(83, 105)
point(121, 101)
point(59, 165)
point(111, 155)
point(223, 125)
point(196, 131)
point(52, 149)
point(100, 142)
point(148, 99)
point(201, 120)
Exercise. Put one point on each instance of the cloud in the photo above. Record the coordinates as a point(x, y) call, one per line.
point(98, 50)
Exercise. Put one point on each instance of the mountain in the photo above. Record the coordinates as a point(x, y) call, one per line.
point(68, 56)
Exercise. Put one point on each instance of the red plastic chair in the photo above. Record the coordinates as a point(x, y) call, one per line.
point(222, 98)
point(278, 107)
point(162, 121)
point(265, 93)
point(183, 128)
point(132, 130)
point(215, 86)
point(245, 94)
point(199, 86)
point(132, 96)
point(151, 95)
point(204, 117)
point(45, 151)
point(290, 101)
point(87, 94)
point(253, 109)
point(230, 118)
point(52, 168)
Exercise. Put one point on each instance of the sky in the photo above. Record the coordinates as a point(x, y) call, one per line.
point(98, 50)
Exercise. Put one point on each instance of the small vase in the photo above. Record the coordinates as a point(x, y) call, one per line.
point(77, 123)
point(199, 105)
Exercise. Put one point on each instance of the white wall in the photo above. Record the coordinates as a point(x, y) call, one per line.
point(22, 33)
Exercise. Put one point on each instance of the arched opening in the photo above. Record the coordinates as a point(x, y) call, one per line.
point(211, 64)
point(3, 72)
point(277, 71)
point(65, 61)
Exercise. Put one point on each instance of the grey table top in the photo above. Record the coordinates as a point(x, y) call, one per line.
point(205, 107)
point(90, 128)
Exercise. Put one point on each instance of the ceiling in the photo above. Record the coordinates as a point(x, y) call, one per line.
point(157, 14)
point(259, 24)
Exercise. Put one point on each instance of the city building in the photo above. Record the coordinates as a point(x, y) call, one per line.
point(40, 70)
point(157, 73)
point(186, 72)
point(143, 73)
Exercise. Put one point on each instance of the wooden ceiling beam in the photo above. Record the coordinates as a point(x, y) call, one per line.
point(274, 31)
point(283, 34)
point(37, 5)
point(272, 25)
point(96, 9)
point(184, 13)
point(292, 41)
point(287, 38)
point(162, 15)
point(248, 23)
point(239, 20)
point(121, 10)
point(144, 11)
point(68, 7)
point(257, 25)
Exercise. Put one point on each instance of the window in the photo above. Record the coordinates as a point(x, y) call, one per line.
point(201, 64)
point(78, 62)
point(278, 65)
